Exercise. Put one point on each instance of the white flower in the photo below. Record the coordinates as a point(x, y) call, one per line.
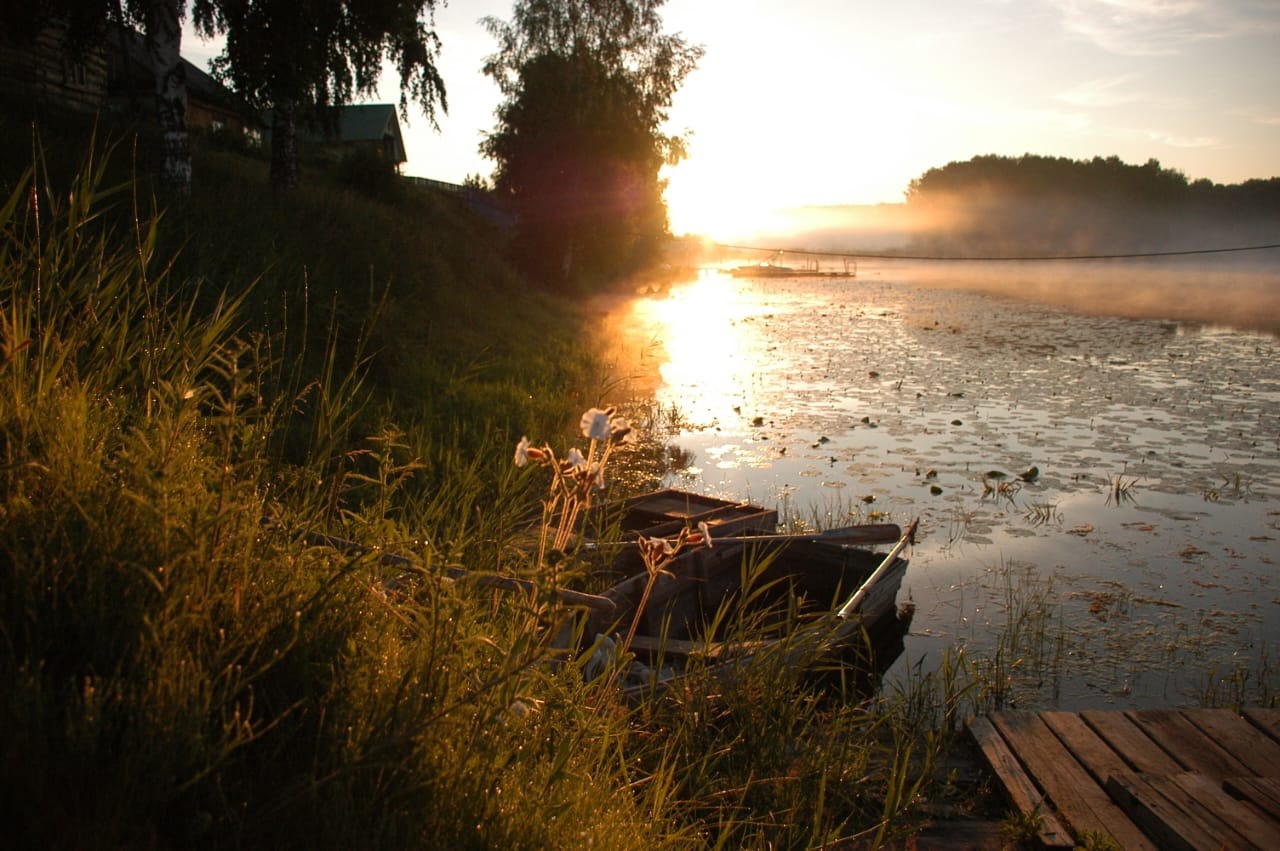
point(595, 424)
point(526, 453)
point(574, 460)
point(706, 533)
point(657, 547)
point(621, 432)
point(522, 452)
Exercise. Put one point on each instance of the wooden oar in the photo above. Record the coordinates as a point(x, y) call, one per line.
point(851, 605)
point(866, 533)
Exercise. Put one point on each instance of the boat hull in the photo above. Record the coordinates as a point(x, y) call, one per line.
point(721, 607)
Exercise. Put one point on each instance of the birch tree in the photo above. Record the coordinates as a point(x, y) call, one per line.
point(292, 57)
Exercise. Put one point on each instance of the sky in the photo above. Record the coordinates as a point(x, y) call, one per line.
point(845, 102)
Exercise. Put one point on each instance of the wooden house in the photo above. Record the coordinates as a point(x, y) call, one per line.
point(342, 132)
point(112, 74)
point(211, 107)
point(36, 67)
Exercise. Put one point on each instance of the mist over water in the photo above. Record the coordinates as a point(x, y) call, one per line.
point(1219, 286)
point(1232, 292)
point(1150, 524)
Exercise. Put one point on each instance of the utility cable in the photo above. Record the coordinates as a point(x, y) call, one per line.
point(863, 255)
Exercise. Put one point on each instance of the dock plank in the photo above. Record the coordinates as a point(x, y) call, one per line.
point(1266, 720)
point(1167, 823)
point(1078, 800)
point(1245, 742)
point(1262, 792)
point(1090, 749)
point(1020, 791)
point(1254, 829)
point(1129, 740)
point(1187, 743)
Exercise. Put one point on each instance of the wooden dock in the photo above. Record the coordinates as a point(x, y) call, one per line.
point(1150, 779)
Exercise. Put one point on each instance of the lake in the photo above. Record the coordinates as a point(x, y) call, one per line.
point(1097, 495)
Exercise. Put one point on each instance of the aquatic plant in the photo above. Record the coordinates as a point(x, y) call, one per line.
point(1042, 513)
point(575, 478)
point(1121, 490)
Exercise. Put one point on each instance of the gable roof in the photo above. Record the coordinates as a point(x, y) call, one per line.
point(372, 122)
point(134, 69)
point(354, 124)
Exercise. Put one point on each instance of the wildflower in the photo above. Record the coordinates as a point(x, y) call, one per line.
point(526, 453)
point(656, 549)
point(574, 460)
point(705, 531)
point(596, 424)
point(621, 432)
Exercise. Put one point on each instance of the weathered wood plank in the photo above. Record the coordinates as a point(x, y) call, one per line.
point(1021, 793)
point(1089, 749)
point(1128, 739)
point(1239, 738)
point(1209, 800)
point(1079, 801)
point(1262, 792)
point(1266, 720)
point(1187, 743)
point(1166, 822)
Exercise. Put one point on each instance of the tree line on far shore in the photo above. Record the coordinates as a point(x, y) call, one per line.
point(1040, 205)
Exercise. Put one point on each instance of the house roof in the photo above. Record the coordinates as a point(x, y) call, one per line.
point(354, 124)
point(138, 72)
point(369, 121)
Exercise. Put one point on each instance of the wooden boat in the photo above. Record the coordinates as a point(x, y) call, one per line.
point(801, 597)
point(663, 513)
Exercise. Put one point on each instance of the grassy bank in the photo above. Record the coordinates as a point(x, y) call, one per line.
point(186, 399)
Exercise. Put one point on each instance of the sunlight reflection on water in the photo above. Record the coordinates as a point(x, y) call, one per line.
point(1157, 447)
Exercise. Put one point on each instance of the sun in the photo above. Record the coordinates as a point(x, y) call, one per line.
point(722, 206)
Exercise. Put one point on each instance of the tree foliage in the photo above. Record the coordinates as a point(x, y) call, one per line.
point(1038, 205)
point(580, 142)
point(299, 55)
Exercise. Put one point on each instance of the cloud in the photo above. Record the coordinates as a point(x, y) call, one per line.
point(1183, 141)
point(1102, 93)
point(1115, 92)
point(1147, 27)
point(1258, 116)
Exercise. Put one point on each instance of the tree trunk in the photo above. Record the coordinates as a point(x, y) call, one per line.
point(285, 167)
point(164, 42)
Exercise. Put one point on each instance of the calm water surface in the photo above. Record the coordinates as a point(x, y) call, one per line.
point(1136, 562)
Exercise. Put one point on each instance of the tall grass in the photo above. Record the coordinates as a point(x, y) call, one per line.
point(180, 667)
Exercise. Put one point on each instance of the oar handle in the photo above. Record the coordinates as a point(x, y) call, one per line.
point(908, 537)
point(867, 533)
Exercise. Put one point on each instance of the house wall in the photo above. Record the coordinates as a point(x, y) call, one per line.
point(40, 70)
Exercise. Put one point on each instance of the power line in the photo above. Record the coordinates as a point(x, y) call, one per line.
point(863, 255)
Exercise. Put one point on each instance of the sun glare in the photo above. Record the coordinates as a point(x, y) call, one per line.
point(706, 347)
point(724, 208)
